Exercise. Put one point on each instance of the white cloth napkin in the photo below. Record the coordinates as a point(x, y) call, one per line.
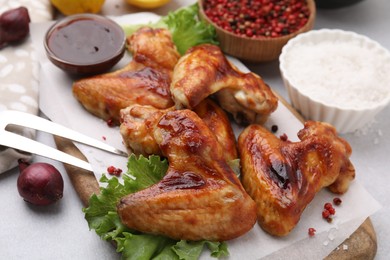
point(19, 74)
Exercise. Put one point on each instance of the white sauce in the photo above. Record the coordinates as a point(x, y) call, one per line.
point(342, 74)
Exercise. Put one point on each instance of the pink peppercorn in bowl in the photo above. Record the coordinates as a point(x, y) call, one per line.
point(336, 76)
point(257, 30)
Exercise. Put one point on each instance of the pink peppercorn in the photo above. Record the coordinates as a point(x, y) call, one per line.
point(337, 201)
point(325, 214)
point(112, 170)
point(311, 232)
point(258, 18)
point(110, 122)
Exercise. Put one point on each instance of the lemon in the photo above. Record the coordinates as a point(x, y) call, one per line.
point(147, 3)
point(69, 7)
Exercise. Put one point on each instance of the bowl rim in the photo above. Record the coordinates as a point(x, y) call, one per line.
point(307, 35)
point(312, 7)
point(120, 51)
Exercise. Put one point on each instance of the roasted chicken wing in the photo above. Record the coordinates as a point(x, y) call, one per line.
point(137, 120)
point(217, 120)
point(200, 197)
point(145, 80)
point(283, 176)
point(154, 48)
point(204, 70)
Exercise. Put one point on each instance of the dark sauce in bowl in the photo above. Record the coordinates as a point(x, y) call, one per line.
point(85, 44)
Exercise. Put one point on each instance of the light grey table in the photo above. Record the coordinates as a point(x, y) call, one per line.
point(60, 232)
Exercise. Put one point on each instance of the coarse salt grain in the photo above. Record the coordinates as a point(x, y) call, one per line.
point(332, 234)
point(343, 74)
point(368, 128)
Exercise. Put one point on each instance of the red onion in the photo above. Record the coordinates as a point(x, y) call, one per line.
point(39, 183)
point(14, 25)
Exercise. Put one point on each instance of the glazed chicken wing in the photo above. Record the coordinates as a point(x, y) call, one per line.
point(137, 120)
point(217, 120)
point(154, 48)
point(283, 176)
point(204, 70)
point(200, 197)
point(145, 80)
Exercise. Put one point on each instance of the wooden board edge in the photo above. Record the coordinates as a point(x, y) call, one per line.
point(84, 182)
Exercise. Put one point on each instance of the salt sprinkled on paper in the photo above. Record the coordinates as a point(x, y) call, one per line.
point(369, 129)
point(332, 234)
point(344, 74)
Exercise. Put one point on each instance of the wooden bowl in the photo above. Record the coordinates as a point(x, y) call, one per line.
point(260, 49)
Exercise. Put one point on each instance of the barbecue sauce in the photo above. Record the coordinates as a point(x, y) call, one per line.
point(85, 41)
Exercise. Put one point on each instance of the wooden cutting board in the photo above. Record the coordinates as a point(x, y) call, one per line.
point(361, 245)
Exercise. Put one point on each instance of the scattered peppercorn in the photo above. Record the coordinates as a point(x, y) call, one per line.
point(337, 201)
point(258, 18)
point(328, 206)
point(311, 232)
point(328, 211)
point(104, 138)
point(332, 211)
point(284, 137)
point(325, 214)
point(112, 170)
point(274, 128)
point(110, 122)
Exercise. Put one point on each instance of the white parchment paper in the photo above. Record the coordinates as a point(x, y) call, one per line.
point(58, 103)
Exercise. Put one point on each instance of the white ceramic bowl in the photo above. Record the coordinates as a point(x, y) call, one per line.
point(336, 76)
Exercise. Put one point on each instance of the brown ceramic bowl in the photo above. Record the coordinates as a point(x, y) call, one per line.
point(85, 44)
point(259, 49)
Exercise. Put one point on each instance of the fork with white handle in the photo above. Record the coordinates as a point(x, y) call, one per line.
point(22, 143)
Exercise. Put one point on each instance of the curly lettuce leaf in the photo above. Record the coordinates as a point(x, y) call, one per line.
point(192, 250)
point(101, 216)
point(186, 27)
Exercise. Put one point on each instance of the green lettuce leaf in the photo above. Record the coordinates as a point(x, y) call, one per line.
point(192, 250)
point(101, 216)
point(186, 28)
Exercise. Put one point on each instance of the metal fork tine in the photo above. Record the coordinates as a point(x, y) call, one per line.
point(28, 145)
point(39, 123)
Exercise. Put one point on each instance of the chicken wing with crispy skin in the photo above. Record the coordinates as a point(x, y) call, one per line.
point(135, 123)
point(154, 48)
point(145, 80)
point(204, 70)
point(218, 122)
point(283, 176)
point(200, 197)
point(137, 120)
